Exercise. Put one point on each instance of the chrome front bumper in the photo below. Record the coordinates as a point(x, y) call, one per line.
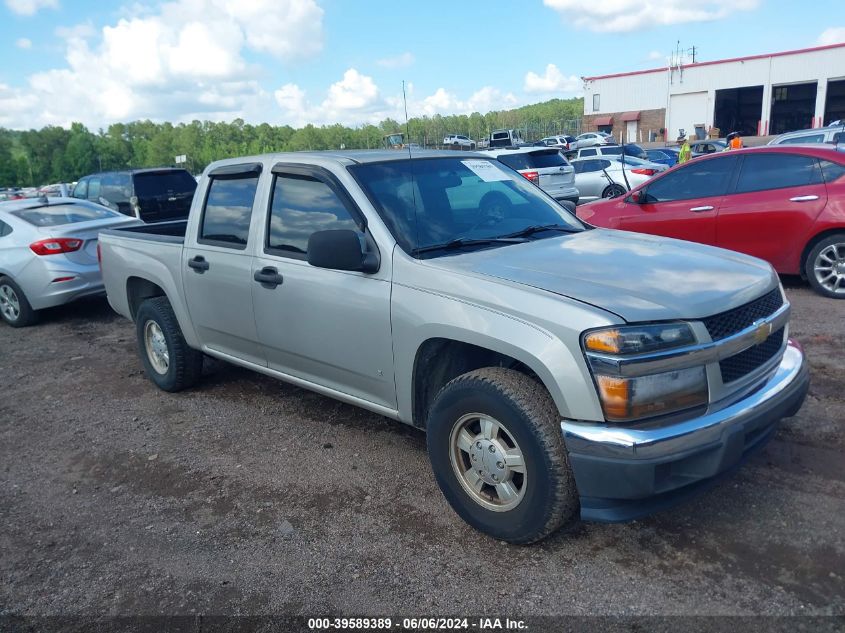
point(623, 473)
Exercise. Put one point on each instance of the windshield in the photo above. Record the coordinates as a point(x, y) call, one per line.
point(427, 202)
point(630, 160)
point(65, 213)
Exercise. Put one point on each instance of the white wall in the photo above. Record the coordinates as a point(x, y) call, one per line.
point(650, 90)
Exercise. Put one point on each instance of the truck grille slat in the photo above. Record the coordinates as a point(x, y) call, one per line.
point(745, 362)
point(727, 323)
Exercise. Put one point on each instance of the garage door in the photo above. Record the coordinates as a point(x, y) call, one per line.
point(685, 110)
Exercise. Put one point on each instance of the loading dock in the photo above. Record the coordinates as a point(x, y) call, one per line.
point(834, 107)
point(793, 107)
point(738, 110)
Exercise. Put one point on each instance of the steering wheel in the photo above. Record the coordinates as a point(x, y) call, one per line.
point(492, 209)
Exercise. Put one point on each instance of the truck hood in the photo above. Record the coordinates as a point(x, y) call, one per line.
point(637, 277)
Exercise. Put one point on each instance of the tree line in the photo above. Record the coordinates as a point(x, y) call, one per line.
point(56, 154)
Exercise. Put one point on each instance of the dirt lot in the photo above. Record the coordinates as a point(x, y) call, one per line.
point(247, 495)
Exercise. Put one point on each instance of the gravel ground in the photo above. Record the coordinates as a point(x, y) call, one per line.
point(250, 496)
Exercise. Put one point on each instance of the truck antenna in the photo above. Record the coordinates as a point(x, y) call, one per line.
point(407, 122)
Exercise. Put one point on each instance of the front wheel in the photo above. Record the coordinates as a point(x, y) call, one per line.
point(825, 266)
point(498, 455)
point(613, 191)
point(168, 360)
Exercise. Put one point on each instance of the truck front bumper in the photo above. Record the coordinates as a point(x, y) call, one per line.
point(625, 473)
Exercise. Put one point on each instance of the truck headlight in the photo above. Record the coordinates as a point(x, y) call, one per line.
point(627, 398)
point(638, 339)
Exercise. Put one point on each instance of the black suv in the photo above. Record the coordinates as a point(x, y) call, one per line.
point(151, 195)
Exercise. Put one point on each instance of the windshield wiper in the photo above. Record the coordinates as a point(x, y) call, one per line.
point(537, 228)
point(463, 242)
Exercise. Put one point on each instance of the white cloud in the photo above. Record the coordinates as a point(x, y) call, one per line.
point(655, 55)
point(24, 43)
point(184, 58)
point(631, 15)
point(551, 81)
point(833, 35)
point(354, 92)
point(357, 100)
point(399, 61)
point(30, 7)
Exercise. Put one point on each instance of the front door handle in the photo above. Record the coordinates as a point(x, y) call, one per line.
point(803, 198)
point(700, 209)
point(199, 264)
point(268, 276)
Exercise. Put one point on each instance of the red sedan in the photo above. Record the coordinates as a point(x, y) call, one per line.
point(784, 204)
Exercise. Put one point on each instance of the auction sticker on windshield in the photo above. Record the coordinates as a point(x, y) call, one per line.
point(486, 170)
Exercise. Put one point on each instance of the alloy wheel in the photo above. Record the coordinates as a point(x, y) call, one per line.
point(156, 347)
point(829, 268)
point(488, 462)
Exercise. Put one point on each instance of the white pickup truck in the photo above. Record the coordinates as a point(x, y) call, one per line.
point(559, 370)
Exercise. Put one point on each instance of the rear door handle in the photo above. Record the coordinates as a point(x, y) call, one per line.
point(700, 209)
point(803, 198)
point(199, 264)
point(268, 276)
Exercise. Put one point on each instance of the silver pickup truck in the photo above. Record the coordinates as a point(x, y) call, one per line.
point(559, 370)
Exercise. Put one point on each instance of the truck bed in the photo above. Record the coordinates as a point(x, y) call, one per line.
point(172, 232)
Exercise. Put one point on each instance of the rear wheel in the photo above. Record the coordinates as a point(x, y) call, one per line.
point(14, 306)
point(497, 453)
point(825, 266)
point(613, 191)
point(168, 360)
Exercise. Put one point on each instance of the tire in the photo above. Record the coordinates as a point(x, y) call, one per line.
point(14, 306)
point(522, 419)
point(825, 266)
point(168, 361)
point(614, 191)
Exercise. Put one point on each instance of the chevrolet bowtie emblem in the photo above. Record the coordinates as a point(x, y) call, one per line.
point(762, 331)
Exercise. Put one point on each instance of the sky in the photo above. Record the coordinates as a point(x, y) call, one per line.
point(343, 61)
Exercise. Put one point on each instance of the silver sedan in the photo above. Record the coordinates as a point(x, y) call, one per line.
point(48, 254)
point(602, 177)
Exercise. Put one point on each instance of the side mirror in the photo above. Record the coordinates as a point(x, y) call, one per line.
point(637, 197)
point(341, 249)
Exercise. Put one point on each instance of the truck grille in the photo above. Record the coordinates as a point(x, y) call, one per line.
point(727, 323)
point(745, 362)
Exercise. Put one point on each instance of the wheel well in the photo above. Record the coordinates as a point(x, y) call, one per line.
point(139, 290)
point(440, 360)
point(815, 240)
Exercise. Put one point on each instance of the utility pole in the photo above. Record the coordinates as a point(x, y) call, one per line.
point(692, 52)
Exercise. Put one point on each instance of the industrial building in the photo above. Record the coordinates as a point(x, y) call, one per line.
point(759, 95)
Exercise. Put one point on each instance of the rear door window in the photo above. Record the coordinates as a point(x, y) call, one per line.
point(775, 171)
point(5, 229)
point(809, 138)
point(702, 178)
point(116, 189)
point(612, 151)
point(94, 190)
point(832, 171)
point(228, 211)
point(588, 152)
